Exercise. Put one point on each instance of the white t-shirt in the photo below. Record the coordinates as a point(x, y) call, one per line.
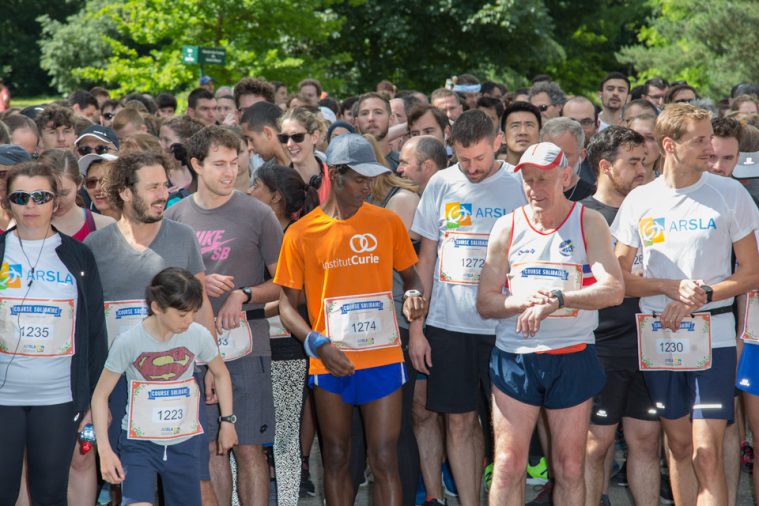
point(34, 381)
point(453, 207)
point(688, 233)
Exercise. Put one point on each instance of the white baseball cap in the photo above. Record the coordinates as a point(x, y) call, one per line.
point(543, 155)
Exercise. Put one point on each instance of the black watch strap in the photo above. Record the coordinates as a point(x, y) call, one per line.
point(248, 294)
point(230, 419)
point(709, 293)
point(559, 296)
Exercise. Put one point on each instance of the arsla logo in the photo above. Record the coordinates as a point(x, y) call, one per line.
point(363, 243)
point(10, 276)
point(652, 230)
point(458, 214)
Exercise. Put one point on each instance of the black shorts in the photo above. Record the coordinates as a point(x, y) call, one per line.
point(624, 395)
point(460, 368)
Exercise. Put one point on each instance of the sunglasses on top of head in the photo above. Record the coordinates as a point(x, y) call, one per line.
point(39, 197)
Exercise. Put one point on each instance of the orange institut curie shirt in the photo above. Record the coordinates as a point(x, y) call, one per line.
point(328, 258)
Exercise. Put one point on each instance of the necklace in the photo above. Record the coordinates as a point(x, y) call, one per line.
point(33, 267)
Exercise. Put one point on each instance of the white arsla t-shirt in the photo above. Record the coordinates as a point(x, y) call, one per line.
point(454, 210)
point(43, 380)
point(688, 233)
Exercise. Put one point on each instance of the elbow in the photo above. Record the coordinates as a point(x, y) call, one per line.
point(618, 293)
point(482, 307)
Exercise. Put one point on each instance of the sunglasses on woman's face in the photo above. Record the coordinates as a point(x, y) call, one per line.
point(39, 197)
point(92, 182)
point(297, 138)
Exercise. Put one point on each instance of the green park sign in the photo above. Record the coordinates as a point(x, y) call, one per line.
point(196, 55)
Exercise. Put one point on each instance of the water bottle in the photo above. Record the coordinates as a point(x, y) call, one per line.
point(87, 438)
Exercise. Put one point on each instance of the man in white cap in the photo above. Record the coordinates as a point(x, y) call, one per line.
point(341, 256)
point(97, 139)
point(556, 259)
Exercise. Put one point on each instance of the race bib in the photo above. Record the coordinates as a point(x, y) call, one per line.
point(37, 327)
point(751, 324)
point(527, 278)
point(163, 410)
point(277, 329)
point(235, 343)
point(123, 315)
point(362, 322)
point(688, 349)
point(462, 257)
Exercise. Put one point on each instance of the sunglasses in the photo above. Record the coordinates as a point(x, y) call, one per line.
point(297, 138)
point(39, 197)
point(108, 115)
point(544, 107)
point(86, 150)
point(586, 122)
point(92, 182)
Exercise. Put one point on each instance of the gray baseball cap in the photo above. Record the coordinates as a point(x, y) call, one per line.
point(11, 154)
point(87, 160)
point(355, 152)
point(748, 166)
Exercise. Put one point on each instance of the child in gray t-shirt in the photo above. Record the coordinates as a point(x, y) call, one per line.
point(158, 357)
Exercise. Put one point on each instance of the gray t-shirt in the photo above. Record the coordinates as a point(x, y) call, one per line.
point(144, 358)
point(126, 272)
point(239, 238)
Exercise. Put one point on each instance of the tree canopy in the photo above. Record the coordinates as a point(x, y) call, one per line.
point(707, 43)
point(139, 41)
point(20, 31)
point(135, 45)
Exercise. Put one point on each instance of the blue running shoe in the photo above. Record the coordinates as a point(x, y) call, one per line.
point(449, 486)
point(421, 492)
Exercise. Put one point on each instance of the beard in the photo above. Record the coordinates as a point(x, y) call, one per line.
point(380, 136)
point(141, 210)
point(623, 188)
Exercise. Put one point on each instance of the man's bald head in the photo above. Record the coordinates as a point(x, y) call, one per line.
point(585, 113)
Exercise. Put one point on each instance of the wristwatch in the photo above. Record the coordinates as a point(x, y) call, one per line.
point(230, 419)
point(411, 293)
point(248, 294)
point(559, 296)
point(709, 292)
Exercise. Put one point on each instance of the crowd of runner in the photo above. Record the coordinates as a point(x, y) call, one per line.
point(455, 293)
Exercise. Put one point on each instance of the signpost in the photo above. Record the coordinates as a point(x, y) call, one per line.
point(196, 55)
